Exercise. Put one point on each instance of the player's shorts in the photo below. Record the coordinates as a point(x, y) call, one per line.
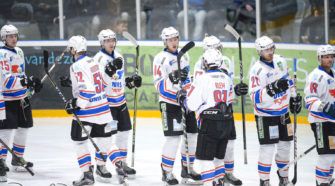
point(121, 114)
point(324, 134)
point(171, 120)
point(213, 138)
point(273, 129)
point(18, 114)
point(232, 135)
point(95, 130)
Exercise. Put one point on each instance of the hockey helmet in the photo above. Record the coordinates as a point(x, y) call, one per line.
point(212, 58)
point(106, 34)
point(169, 32)
point(78, 43)
point(264, 43)
point(8, 30)
point(325, 50)
point(211, 42)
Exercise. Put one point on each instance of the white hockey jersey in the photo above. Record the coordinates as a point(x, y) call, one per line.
point(262, 74)
point(13, 67)
point(2, 101)
point(213, 87)
point(199, 69)
point(164, 63)
point(115, 89)
point(88, 86)
point(319, 90)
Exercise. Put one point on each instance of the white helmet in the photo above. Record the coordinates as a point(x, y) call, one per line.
point(264, 43)
point(325, 50)
point(106, 34)
point(169, 32)
point(211, 42)
point(212, 58)
point(8, 30)
point(78, 43)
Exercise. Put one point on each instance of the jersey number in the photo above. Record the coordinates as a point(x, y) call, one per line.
point(313, 87)
point(4, 65)
point(220, 96)
point(255, 81)
point(98, 82)
point(157, 70)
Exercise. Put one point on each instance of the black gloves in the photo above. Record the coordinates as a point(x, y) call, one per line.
point(295, 104)
point(133, 81)
point(65, 81)
point(329, 109)
point(174, 76)
point(111, 67)
point(181, 96)
point(32, 82)
point(277, 87)
point(241, 89)
point(71, 106)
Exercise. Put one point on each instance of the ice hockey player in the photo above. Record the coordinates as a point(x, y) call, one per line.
point(212, 42)
point(319, 99)
point(3, 173)
point(211, 97)
point(117, 99)
point(15, 88)
point(166, 79)
point(91, 106)
point(271, 91)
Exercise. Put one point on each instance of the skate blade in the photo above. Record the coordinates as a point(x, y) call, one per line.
point(131, 176)
point(21, 169)
point(103, 180)
point(123, 180)
point(188, 181)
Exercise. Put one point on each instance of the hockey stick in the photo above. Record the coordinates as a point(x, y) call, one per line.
point(294, 180)
point(14, 155)
point(46, 65)
point(134, 42)
point(237, 36)
point(297, 158)
point(187, 47)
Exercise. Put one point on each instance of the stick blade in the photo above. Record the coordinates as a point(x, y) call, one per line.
point(46, 59)
point(128, 36)
point(232, 31)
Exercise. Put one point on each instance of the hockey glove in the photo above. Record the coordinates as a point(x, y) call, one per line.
point(241, 89)
point(329, 109)
point(65, 81)
point(133, 81)
point(118, 62)
point(32, 82)
point(184, 74)
point(173, 76)
point(295, 104)
point(110, 69)
point(181, 96)
point(277, 87)
point(71, 106)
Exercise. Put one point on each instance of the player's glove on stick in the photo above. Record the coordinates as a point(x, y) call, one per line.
point(71, 106)
point(32, 82)
point(133, 81)
point(241, 89)
point(65, 81)
point(295, 104)
point(277, 87)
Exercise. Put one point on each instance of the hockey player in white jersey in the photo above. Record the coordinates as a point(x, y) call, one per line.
point(166, 79)
point(3, 174)
point(319, 99)
point(270, 91)
point(212, 42)
point(211, 97)
point(15, 87)
point(117, 99)
point(90, 104)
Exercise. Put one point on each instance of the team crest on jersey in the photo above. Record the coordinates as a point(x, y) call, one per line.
point(279, 99)
point(332, 92)
point(172, 62)
point(330, 81)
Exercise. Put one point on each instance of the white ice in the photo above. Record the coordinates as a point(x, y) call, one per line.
point(51, 150)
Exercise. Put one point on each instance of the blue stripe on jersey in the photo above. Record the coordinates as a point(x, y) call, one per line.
point(207, 175)
point(93, 111)
point(188, 80)
point(10, 82)
point(257, 96)
point(264, 168)
point(2, 104)
point(86, 95)
point(322, 115)
point(164, 93)
point(273, 112)
point(116, 100)
point(167, 161)
point(15, 94)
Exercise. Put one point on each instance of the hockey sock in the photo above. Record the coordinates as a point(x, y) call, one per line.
point(121, 141)
point(283, 156)
point(207, 172)
point(322, 169)
point(331, 171)
point(265, 161)
point(229, 157)
point(5, 136)
point(219, 168)
point(103, 143)
point(19, 143)
point(114, 154)
point(83, 154)
point(192, 142)
point(169, 152)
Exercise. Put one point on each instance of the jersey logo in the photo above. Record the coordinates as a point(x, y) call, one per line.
point(313, 88)
point(280, 66)
point(332, 92)
point(279, 100)
point(15, 69)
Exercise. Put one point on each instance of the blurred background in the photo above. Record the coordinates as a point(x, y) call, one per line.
point(289, 21)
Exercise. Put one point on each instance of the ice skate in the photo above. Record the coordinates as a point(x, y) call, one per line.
point(5, 164)
point(131, 172)
point(103, 175)
point(168, 178)
point(231, 179)
point(18, 164)
point(265, 183)
point(192, 178)
point(3, 174)
point(86, 179)
point(122, 175)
